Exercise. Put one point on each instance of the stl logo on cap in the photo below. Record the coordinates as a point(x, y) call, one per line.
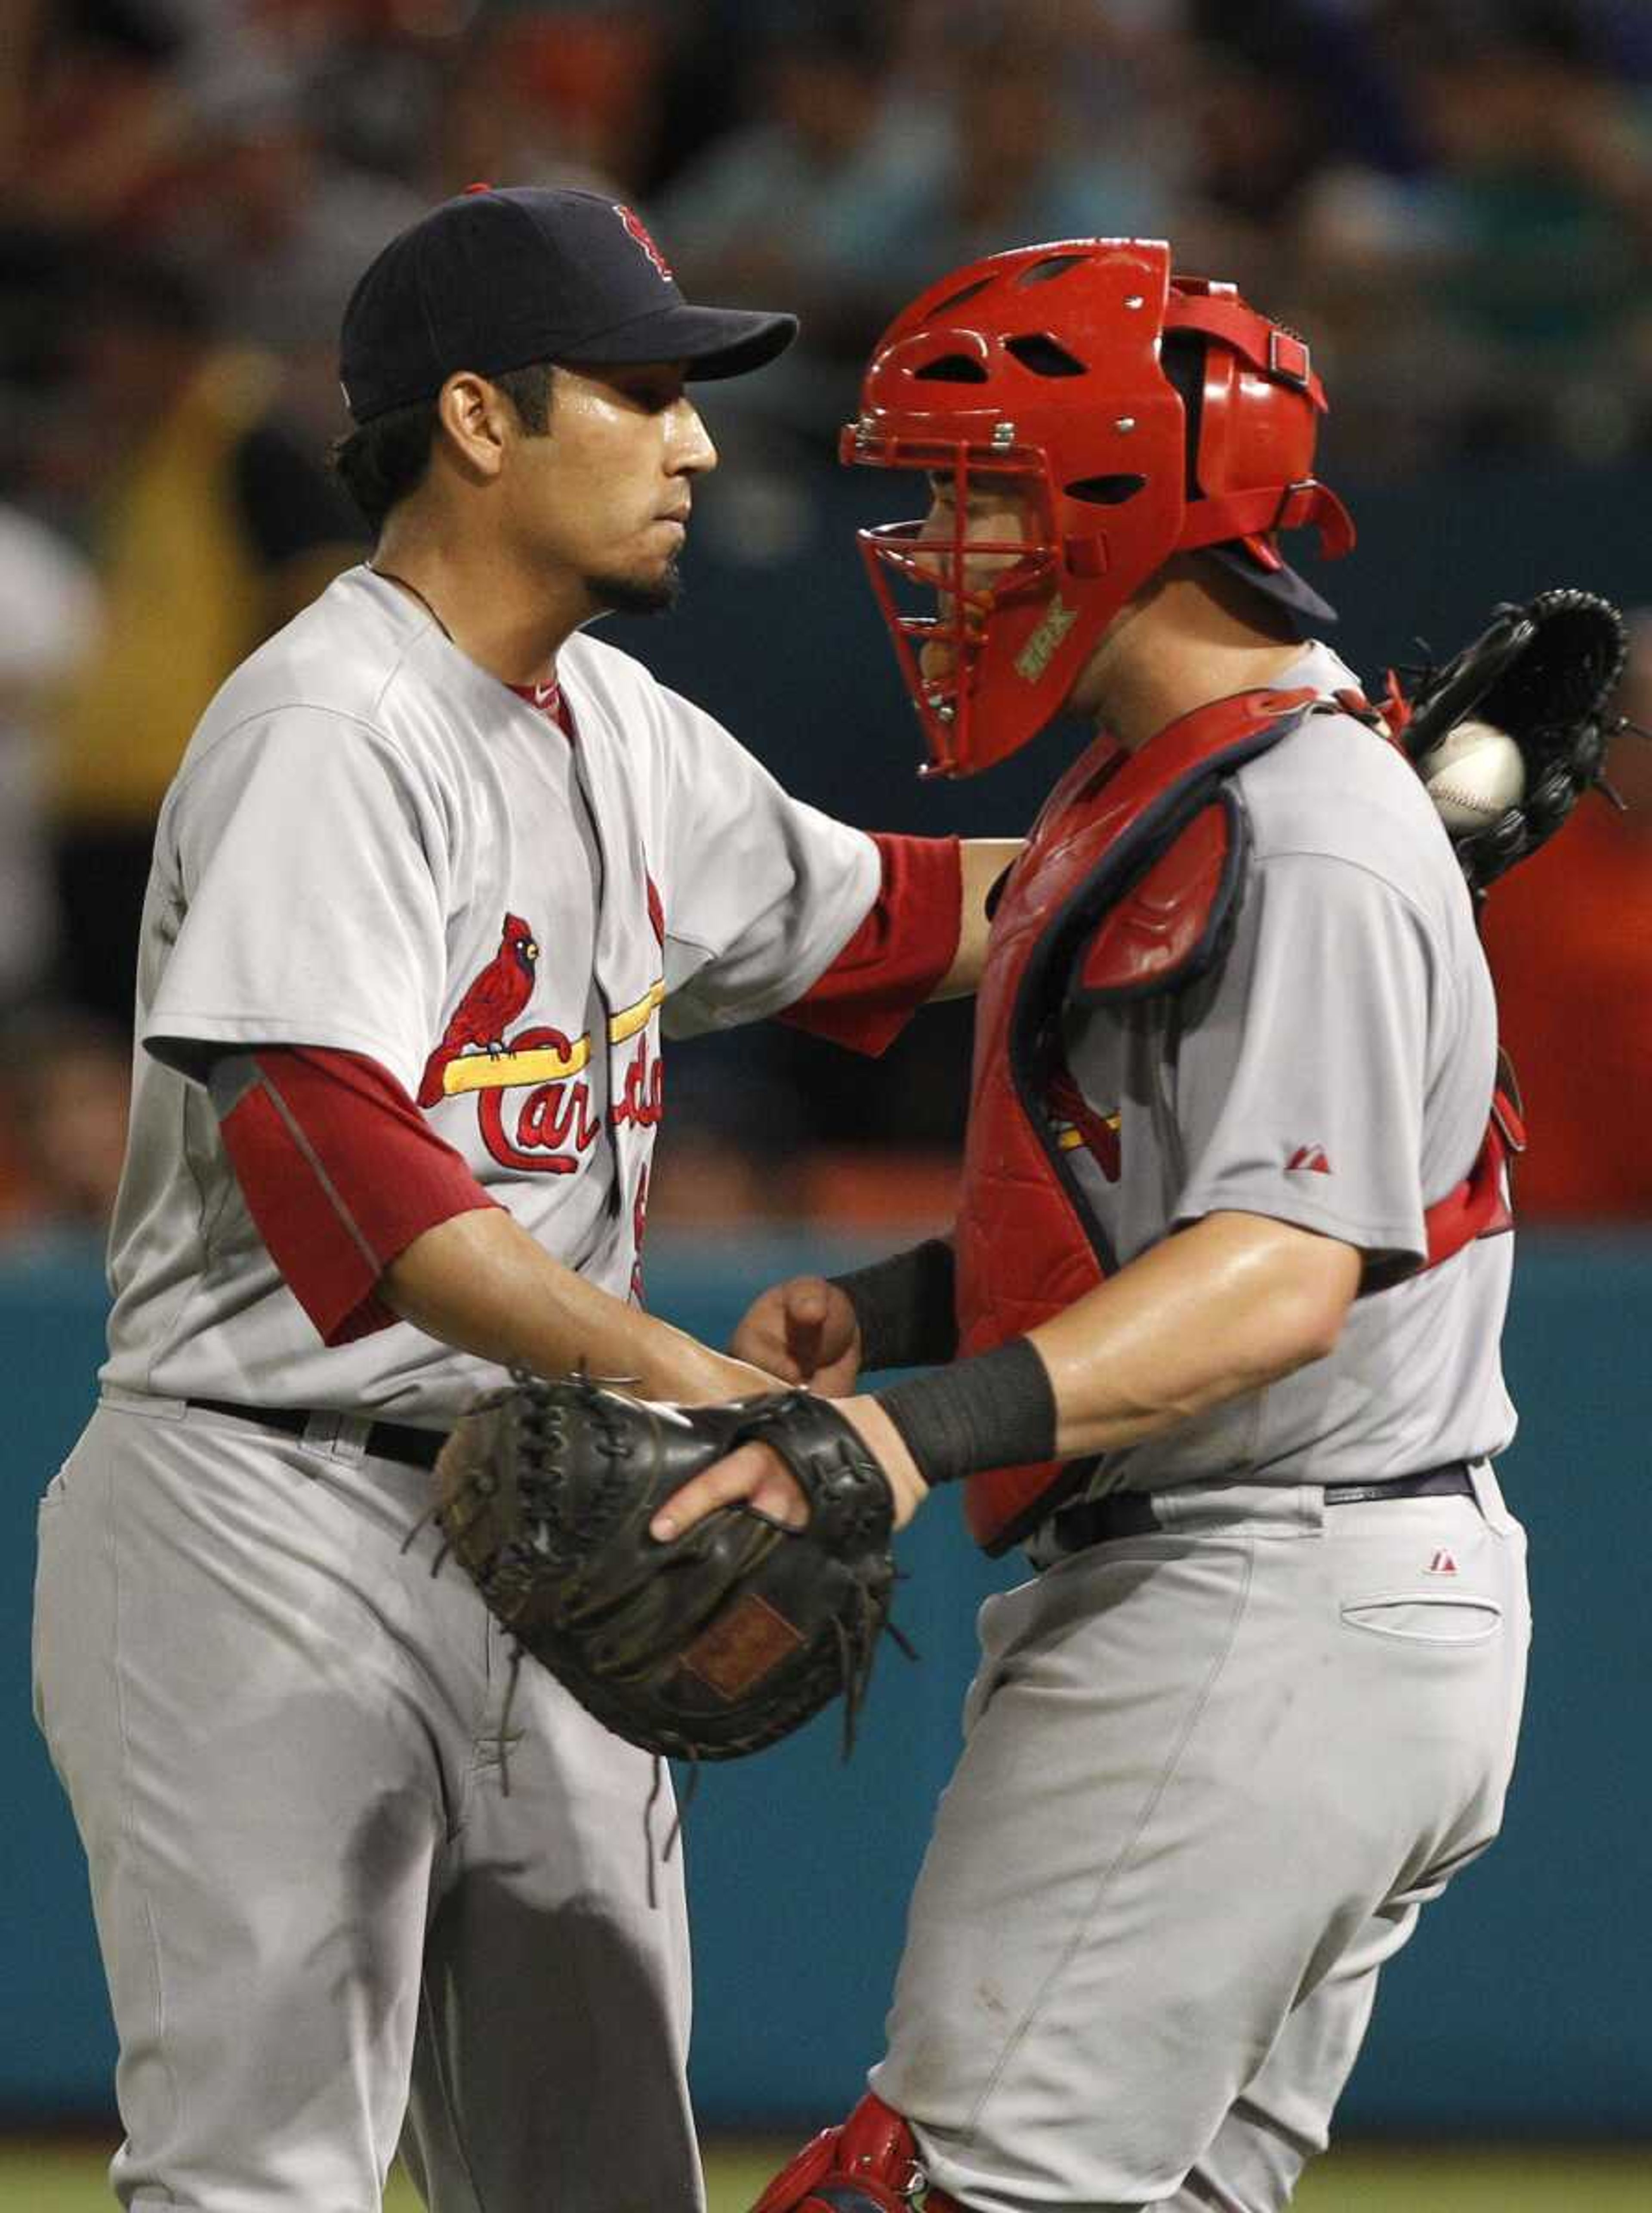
point(638, 230)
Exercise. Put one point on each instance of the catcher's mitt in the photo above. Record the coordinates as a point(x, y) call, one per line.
point(1543, 673)
point(711, 1646)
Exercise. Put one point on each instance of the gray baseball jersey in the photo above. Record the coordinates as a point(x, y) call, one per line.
point(360, 817)
point(1212, 1771)
point(1332, 1072)
point(346, 1865)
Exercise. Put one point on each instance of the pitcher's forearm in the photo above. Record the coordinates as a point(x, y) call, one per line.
point(981, 861)
point(480, 1282)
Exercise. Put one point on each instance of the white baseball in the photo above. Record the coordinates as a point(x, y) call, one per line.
point(1473, 775)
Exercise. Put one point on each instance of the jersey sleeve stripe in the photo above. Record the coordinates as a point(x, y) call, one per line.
point(340, 1174)
point(902, 949)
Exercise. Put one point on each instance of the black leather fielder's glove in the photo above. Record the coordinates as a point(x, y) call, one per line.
point(1543, 673)
point(713, 1645)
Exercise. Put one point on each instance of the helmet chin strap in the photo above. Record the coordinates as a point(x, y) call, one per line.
point(1258, 514)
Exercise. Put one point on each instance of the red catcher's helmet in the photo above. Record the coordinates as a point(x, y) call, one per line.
point(1044, 364)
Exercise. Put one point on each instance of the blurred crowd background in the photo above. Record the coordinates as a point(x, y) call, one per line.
point(1454, 198)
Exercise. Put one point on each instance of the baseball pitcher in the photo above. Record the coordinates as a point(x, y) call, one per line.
point(436, 876)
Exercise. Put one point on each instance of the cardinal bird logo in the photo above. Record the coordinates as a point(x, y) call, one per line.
point(488, 1008)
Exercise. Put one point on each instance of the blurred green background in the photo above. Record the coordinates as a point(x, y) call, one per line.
point(67, 2178)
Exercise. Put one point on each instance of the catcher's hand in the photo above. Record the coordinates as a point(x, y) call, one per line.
point(803, 1331)
point(1543, 673)
point(705, 1647)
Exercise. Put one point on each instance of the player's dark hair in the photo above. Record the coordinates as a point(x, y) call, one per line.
point(382, 461)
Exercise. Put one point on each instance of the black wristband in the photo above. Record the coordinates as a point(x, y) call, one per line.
point(904, 1307)
point(996, 1410)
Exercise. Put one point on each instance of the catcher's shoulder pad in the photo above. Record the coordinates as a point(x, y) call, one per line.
point(1172, 924)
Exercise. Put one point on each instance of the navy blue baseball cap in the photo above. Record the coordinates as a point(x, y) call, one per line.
point(495, 280)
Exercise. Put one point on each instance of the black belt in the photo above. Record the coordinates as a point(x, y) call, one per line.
point(383, 1440)
point(1131, 1513)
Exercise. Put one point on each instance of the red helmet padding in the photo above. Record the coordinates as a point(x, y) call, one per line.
point(1044, 364)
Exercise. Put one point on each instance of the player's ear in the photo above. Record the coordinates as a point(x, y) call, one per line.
point(477, 418)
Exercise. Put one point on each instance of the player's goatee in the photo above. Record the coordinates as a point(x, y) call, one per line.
point(638, 596)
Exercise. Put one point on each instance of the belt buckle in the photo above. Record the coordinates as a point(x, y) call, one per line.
point(341, 1437)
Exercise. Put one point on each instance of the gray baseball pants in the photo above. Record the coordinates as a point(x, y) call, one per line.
point(327, 1927)
point(1210, 1777)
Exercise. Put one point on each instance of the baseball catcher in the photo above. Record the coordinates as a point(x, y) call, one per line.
point(712, 1646)
point(1215, 1335)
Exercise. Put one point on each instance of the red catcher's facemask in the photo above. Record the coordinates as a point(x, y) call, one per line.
point(1042, 366)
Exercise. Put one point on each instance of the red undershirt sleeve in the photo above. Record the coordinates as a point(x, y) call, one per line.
point(901, 951)
point(340, 1173)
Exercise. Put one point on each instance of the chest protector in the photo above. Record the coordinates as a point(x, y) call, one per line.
point(1127, 888)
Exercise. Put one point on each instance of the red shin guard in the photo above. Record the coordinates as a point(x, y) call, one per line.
point(869, 2164)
